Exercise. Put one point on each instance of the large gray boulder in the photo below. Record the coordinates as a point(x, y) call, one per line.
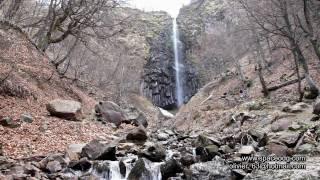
point(109, 112)
point(97, 150)
point(216, 169)
point(66, 109)
point(137, 135)
point(316, 107)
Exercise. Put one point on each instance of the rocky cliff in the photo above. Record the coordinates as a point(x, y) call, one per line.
point(159, 76)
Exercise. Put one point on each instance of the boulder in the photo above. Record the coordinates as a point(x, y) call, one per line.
point(26, 118)
point(43, 164)
point(162, 136)
point(316, 107)
point(212, 151)
point(216, 169)
point(306, 149)
point(123, 168)
point(187, 160)
point(137, 135)
point(65, 109)
point(54, 166)
point(277, 149)
point(139, 171)
point(259, 135)
point(8, 122)
point(204, 140)
point(289, 138)
point(246, 150)
point(76, 148)
point(170, 168)
point(153, 152)
point(133, 116)
point(281, 125)
point(107, 111)
point(95, 150)
point(81, 165)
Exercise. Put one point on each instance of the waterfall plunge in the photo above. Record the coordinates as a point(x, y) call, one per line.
point(177, 63)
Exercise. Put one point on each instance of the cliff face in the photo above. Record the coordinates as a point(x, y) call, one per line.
point(159, 82)
point(198, 21)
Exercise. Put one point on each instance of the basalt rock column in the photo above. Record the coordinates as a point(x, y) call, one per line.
point(169, 79)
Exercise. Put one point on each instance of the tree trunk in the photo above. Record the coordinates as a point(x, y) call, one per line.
point(299, 78)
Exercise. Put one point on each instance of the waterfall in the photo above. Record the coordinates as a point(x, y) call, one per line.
point(177, 63)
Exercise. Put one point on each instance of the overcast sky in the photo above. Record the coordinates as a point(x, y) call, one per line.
point(171, 6)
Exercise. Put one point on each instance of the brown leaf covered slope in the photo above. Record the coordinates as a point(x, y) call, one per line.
point(27, 83)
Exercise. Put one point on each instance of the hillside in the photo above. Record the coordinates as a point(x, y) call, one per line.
point(97, 90)
point(28, 83)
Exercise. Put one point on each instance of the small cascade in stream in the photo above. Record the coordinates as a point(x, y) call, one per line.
point(177, 64)
point(111, 170)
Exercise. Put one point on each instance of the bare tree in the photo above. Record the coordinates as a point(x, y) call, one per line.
point(277, 19)
point(13, 8)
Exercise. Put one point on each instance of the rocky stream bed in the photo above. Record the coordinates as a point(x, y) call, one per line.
point(167, 153)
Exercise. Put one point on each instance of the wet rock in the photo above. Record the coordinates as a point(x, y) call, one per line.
point(128, 148)
point(259, 135)
point(187, 160)
point(139, 171)
point(238, 173)
point(102, 169)
point(154, 152)
point(162, 136)
point(170, 169)
point(216, 169)
point(81, 165)
point(225, 149)
point(306, 149)
point(66, 109)
point(295, 127)
point(202, 153)
point(96, 150)
point(246, 150)
point(316, 107)
point(26, 118)
point(212, 150)
point(89, 177)
point(315, 118)
point(123, 168)
point(137, 135)
point(54, 166)
point(289, 138)
point(8, 122)
point(277, 149)
point(203, 141)
point(281, 125)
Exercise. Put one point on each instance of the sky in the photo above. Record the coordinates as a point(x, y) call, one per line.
point(171, 6)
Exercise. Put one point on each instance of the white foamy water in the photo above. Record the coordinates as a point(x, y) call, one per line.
point(177, 64)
